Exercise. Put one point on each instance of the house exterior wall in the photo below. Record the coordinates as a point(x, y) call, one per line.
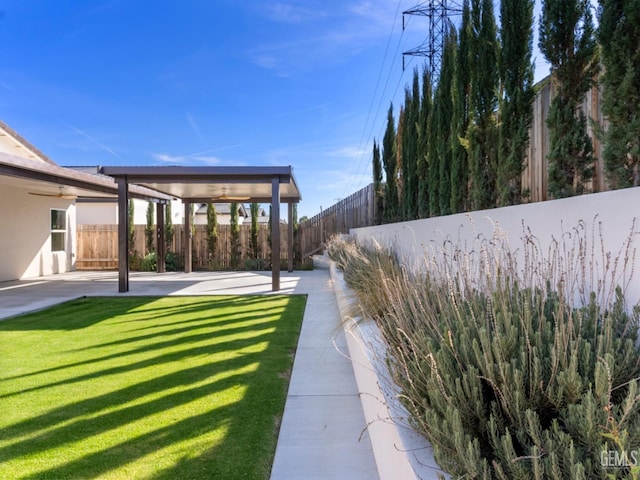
point(25, 243)
point(107, 213)
point(608, 219)
point(97, 213)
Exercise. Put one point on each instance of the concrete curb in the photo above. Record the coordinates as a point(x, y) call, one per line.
point(398, 450)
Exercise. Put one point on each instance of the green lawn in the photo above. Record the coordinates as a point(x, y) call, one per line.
point(143, 387)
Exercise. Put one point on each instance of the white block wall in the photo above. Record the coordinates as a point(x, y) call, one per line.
point(608, 216)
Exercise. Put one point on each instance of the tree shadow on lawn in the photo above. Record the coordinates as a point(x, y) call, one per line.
point(221, 366)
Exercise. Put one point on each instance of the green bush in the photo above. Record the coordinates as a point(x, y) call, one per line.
point(173, 262)
point(254, 264)
point(135, 261)
point(149, 262)
point(505, 378)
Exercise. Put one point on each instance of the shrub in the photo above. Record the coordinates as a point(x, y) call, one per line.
point(254, 264)
point(135, 261)
point(149, 262)
point(173, 262)
point(499, 370)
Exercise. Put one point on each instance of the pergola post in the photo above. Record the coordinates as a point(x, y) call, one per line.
point(123, 235)
point(187, 237)
point(290, 238)
point(160, 238)
point(275, 234)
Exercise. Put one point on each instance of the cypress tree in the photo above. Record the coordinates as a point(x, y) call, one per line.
point(132, 229)
point(390, 162)
point(405, 154)
point(297, 254)
point(378, 187)
point(410, 150)
point(516, 102)
point(444, 106)
point(482, 134)
point(168, 228)
point(212, 231)
point(149, 231)
point(568, 43)
point(460, 118)
point(254, 230)
point(235, 234)
point(619, 36)
point(423, 144)
point(399, 163)
point(433, 156)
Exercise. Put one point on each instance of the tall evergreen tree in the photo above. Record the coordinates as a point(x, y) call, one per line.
point(132, 228)
point(567, 41)
point(482, 134)
point(149, 230)
point(410, 150)
point(255, 210)
point(168, 228)
point(399, 164)
point(516, 102)
point(460, 118)
point(426, 105)
point(444, 112)
point(297, 254)
point(619, 35)
point(235, 235)
point(378, 187)
point(390, 162)
point(212, 231)
point(433, 156)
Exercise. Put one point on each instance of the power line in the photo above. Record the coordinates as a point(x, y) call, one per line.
point(359, 154)
point(357, 170)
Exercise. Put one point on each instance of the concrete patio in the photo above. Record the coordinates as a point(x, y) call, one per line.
point(323, 433)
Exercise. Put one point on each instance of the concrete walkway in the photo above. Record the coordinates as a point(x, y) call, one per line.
point(323, 431)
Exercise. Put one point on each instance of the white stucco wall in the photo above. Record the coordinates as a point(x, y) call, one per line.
point(608, 218)
point(25, 243)
point(107, 213)
point(97, 213)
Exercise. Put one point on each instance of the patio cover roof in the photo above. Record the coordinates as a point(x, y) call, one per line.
point(207, 184)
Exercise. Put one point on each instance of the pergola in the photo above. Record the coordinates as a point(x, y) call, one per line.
point(272, 185)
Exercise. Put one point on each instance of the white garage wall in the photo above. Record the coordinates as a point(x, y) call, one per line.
point(608, 220)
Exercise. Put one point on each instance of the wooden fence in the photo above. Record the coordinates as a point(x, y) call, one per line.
point(534, 177)
point(357, 210)
point(98, 246)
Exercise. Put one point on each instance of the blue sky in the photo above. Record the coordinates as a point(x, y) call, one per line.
point(305, 83)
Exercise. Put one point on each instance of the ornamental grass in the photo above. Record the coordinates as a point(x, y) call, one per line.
point(514, 364)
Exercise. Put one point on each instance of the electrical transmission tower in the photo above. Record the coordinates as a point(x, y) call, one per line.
point(438, 14)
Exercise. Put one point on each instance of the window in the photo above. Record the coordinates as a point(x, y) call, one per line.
point(58, 230)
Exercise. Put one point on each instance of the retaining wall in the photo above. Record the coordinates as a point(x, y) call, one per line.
point(604, 225)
